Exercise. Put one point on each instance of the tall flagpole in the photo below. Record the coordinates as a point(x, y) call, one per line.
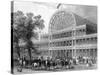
point(59, 5)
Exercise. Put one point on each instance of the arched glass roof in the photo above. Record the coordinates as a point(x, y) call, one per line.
point(61, 20)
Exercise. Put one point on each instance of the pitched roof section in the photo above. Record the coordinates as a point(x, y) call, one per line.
point(81, 21)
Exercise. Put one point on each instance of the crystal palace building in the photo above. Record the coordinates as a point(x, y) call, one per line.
point(69, 36)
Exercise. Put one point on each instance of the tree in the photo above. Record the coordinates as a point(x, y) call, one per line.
point(23, 27)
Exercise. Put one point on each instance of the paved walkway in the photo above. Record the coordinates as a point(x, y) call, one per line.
point(76, 67)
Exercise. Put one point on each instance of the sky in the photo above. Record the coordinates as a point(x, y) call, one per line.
point(46, 10)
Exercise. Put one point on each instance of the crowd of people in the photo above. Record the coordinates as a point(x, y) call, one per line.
point(53, 64)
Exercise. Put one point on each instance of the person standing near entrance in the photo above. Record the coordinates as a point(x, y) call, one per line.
point(20, 66)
